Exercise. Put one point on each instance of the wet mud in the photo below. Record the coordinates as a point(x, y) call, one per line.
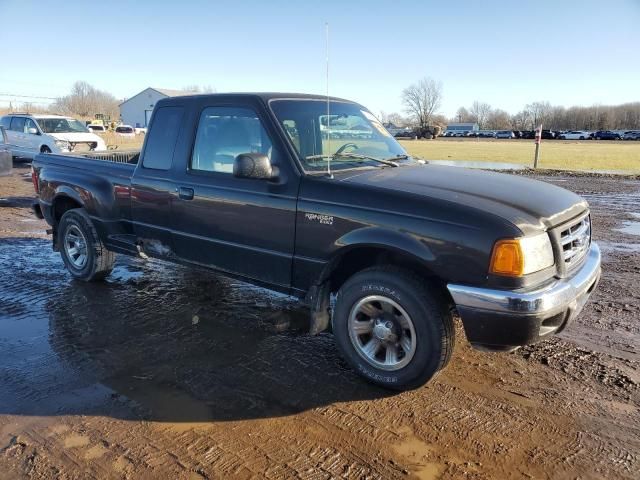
point(168, 372)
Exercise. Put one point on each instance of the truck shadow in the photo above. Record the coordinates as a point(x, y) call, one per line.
point(163, 343)
point(16, 202)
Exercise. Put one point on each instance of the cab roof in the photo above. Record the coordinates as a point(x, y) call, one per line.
point(264, 96)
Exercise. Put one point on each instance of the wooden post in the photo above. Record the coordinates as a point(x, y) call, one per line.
point(538, 140)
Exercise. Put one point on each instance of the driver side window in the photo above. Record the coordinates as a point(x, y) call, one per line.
point(223, 134)
point(29, 124)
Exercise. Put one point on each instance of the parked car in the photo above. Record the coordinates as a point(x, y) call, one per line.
point(488, 134)
point(574, 135)
point(125, 131)
point(29, 134)
point(406, 134)
point(606, 135)
point(528, 134)
point(504, 134)
point(97, 128)
point(380, 246)
point(5, 154)
point(547, 135)
point(631, 135)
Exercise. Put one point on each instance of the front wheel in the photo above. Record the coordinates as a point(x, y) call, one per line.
point(392, 328)
point(82, 251)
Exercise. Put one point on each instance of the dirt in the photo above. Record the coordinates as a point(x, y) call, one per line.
point(168, 372)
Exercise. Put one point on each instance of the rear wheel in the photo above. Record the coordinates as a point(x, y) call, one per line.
point(45, 149)
point(82, 251)
point(392, 328)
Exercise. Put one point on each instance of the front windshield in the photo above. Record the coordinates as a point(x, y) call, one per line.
point(352, 136)
point(61, 125)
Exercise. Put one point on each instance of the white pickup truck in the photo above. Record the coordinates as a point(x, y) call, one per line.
point(30, 134)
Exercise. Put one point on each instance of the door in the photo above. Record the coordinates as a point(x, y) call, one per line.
point(32, 140)
point(17, 136)
point(147, 117)
point(242, 226)
point(152, 185)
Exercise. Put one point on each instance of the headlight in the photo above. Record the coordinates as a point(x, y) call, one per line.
point(62, 144)
point(521, 256)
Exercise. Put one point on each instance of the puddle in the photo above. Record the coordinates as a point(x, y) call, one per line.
point(606, 247)
point(483, 165)
point(159, 342)
point(629, 227)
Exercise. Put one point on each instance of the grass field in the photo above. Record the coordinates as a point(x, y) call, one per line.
point(556, 154)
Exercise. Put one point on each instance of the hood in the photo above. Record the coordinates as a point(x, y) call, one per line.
point(529, 204)
point(77, 137)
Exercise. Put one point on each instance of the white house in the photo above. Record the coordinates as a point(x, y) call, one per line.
point(136, 111)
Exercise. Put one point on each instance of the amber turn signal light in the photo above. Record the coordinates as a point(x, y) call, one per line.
point(507, 258)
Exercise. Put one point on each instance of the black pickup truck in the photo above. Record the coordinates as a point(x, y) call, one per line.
point(314, 198)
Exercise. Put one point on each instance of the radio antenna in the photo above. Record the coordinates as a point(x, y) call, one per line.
point(326, 26)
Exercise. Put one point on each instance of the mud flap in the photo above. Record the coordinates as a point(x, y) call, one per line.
point(318, 300)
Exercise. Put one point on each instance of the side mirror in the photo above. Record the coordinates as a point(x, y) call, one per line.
point(32, 131)
point(253, 165)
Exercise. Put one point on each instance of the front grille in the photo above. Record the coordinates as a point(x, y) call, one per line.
point(575, 241)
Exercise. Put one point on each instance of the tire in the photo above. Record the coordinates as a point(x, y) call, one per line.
point(77, 237)
point(45, 149)
point(422, 346)
point(597, 138)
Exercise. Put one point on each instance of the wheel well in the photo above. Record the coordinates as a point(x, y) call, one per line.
point(358, 259)
point(62, 204)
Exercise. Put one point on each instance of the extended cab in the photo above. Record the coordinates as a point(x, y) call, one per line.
point(314, 198)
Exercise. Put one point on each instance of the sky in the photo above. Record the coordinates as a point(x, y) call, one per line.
point(505, 53)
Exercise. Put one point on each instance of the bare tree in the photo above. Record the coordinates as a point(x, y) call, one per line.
point(85, 101)
point(398, 120)
point(462, 115)
point(539, 113)
point(422, 100)
point(498, 120)
point(479, 113)
point(520, 121)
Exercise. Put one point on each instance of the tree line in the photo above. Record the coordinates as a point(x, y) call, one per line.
point(423, 99)
point(85, 101)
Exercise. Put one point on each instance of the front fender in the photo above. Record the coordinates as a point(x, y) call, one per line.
point(385, 238)
point(379, 238)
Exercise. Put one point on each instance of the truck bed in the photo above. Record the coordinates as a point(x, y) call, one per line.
point(110, 164)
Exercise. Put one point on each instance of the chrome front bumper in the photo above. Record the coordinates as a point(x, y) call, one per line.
point(504, 318)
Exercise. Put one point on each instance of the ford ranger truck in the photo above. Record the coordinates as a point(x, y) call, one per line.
point(312, 197)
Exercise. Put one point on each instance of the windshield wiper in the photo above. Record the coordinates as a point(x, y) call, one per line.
point(355, 156)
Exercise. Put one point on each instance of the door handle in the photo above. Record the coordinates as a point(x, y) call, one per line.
point(185, 193)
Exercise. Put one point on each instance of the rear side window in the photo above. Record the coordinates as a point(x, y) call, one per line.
point(162, 139)
point(5, 122)
point(17, 124)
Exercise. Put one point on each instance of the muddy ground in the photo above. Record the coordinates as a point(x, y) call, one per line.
point(166, 372)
